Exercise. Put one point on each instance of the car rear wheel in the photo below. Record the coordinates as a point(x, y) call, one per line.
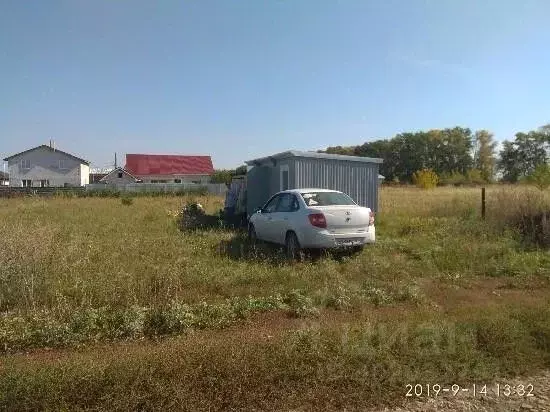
point(292, 247)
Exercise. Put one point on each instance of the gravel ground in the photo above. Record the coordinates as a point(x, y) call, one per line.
point(465, 401)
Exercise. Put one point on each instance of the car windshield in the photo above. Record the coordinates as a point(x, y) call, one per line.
point(327, 199)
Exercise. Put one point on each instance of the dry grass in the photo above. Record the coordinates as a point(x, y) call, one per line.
point(77, 271)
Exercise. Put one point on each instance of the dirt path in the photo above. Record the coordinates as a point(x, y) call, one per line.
point(465, 401)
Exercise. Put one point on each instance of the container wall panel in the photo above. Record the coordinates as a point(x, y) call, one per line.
point(357, 179)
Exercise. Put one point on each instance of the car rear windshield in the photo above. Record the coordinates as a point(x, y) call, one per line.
point(327, 199)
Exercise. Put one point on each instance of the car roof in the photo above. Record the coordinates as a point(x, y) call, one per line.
point(308, 190)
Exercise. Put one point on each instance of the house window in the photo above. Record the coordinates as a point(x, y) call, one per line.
point(177, 180)
point(26, 183)
point(62, 165)
point(44, 183)
point(154, 181)
point(25, 163)
point(120, 175)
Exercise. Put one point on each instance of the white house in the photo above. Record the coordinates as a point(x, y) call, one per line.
point(46, 166)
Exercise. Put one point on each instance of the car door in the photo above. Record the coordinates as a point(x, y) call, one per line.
point(263, 220)
point(281, 220)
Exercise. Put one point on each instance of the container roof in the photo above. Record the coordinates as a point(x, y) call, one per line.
point(314, 155)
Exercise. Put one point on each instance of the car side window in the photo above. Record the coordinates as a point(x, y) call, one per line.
point(271, 206)
point(288, 203)
point(295, 203)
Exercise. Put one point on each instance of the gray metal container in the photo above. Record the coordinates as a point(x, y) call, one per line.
point(354, 175)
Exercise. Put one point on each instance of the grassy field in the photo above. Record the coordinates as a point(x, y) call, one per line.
point(111, 302)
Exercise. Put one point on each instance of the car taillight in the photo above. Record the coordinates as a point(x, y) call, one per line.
point(318, 220)
point(371, 218)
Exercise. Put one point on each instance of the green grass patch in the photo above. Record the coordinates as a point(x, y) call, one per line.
point(77, 272)
point(350, 365)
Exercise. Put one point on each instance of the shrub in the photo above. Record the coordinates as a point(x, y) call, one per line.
point(192, 216)
point(540, 177)
point(425, 179)
point(391, 182)
point(525, 211)
point(475, 177)
point(299, 304)
point(126, 200)
point(452, 179)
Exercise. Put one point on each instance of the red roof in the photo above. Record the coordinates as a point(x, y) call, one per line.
point(144, 164)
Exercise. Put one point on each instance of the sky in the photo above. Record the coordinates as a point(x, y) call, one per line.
point(240, 79)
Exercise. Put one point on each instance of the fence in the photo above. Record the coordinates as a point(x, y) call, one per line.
point(214, 188)
point(9, 191)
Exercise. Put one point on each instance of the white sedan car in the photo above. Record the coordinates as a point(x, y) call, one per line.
point(312, 219)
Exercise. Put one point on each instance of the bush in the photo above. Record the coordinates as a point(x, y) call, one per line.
point(192, 216)
point(540, 177)
point(525, 211)
point(452, 179)
point(425, 179)
point(127, 200)
point(391, 182)
point(475, 177)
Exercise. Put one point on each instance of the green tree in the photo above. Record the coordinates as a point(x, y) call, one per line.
point(341, 150)
point(521, 157)
point(484, 154)
point(508, 162)
point(385, 150)
point(221, 176)
point(455, 150)
point(540, 176)
point(241, 170)
point(443, 150)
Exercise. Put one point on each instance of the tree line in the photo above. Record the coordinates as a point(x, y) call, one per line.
point(456, 154)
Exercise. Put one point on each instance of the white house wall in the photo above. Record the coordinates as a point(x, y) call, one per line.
point(84, 174)
point(44, 165)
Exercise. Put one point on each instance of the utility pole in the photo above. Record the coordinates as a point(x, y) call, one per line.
point(115, 161)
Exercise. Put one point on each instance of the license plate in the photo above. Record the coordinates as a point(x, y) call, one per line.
point(349, 242)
